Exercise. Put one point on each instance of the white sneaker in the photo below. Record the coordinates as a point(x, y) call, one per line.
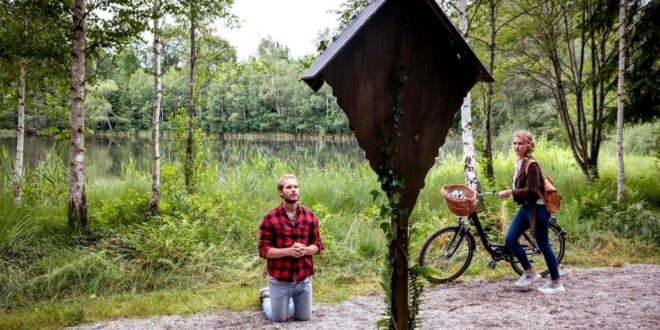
point(526, 279)
point(264, 293)
point(549, 288)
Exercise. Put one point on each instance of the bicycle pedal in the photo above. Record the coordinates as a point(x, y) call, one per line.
point(492, 264)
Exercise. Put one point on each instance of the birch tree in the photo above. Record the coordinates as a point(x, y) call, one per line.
point(77, 215)
point(466, 113)
point(20, 127)
point(155, 119)
point(126, 21)
point(30, 36)
point(620, 98)
point(196, 14)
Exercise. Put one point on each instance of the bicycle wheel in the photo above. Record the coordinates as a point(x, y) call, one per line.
point(449, 252)
point(535, 256)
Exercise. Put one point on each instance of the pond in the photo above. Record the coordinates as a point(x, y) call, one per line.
point(106, 154)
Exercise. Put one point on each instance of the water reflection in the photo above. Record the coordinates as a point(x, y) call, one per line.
point(105, 155)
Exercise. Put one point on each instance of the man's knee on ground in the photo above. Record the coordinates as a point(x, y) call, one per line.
point(279, 318)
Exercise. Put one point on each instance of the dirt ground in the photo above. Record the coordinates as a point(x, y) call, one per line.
point(599, 298)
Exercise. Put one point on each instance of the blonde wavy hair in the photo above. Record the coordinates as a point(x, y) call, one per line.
point(528, 138)
point(280, 184)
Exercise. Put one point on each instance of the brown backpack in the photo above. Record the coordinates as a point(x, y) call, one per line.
point(551, 196)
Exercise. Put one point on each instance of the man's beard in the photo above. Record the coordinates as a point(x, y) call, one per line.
point(290, 200)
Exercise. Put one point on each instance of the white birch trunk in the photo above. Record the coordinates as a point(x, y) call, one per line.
point(155, 120)
point(20, 135)
point(77, 200)
point(20, 125)
point(466, 113)
point(620, 97)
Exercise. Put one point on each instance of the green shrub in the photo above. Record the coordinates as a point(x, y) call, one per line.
point(6, 172)
point(639, 139)
point(47, 184)
point(16, 234)
point(61, 275)
point(165, 241)
point(633, 220)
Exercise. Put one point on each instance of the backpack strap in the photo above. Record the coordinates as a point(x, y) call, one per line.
point(529, 162)
point(532, 224)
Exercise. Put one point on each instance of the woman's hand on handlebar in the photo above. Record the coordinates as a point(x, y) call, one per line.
point(504, 194)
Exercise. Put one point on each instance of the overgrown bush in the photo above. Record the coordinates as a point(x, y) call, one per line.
point(16, 234)
point(47, 184)
point(6, 171)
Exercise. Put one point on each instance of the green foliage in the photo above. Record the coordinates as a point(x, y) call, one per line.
point(201, 149)
point(6, 172)
point(635, 221)
point(131, 206)
point(69, 273)
point(16, 233)
point(97, 107)
point(639, 139)
point(48, 182)
point(642, 79)
point(167, 243)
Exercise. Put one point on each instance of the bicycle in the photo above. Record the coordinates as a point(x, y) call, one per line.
point(449, 250)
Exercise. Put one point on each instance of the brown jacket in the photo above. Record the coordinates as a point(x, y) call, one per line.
point(527, 183)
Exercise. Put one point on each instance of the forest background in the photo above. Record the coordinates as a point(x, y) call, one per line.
point(199, 251)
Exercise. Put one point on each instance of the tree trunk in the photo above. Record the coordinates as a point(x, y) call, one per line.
point(189, 166)
point(275, 96)
point(155, 119)
point(20, 134)
point(466, 114)
point(399, 285)
point(107, 119)
point(77, 217)
point(620, 97)
point(20, 125)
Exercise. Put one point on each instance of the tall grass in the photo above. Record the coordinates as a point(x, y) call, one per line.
point(207, 241)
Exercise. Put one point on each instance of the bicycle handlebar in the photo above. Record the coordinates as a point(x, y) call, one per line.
point(488, 193)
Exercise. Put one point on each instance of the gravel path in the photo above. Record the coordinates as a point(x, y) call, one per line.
point(599, 298)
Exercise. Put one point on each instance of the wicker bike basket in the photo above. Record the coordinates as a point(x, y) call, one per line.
point(460, 206)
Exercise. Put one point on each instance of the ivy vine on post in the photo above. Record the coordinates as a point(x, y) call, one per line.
point(395, 224)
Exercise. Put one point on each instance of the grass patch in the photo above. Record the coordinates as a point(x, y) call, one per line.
point(234, 297)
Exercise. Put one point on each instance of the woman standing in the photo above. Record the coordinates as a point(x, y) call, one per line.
point(532, 215)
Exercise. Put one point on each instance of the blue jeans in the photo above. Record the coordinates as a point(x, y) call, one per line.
point(519, 225)
point(295, 298)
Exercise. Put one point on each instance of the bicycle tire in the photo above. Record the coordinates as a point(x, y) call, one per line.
point(447, 268)
point(558, 247)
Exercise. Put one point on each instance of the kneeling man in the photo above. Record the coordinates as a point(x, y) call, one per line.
point(288, 238)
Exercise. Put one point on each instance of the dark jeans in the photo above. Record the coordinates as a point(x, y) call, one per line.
point(519, 225)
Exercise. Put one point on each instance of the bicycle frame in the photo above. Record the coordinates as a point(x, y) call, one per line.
point(482, 236)
point(497, 252)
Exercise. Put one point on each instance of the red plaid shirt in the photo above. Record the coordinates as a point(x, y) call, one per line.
point(276, 230)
